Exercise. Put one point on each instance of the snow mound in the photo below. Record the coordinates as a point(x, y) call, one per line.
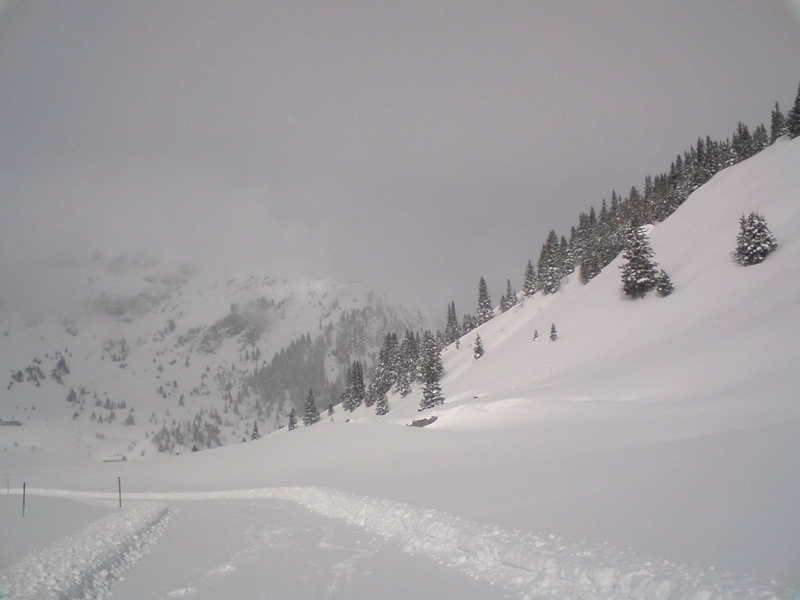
point(87, 564)
point(533, 565)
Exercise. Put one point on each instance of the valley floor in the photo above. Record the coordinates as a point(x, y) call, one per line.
point(216, 532)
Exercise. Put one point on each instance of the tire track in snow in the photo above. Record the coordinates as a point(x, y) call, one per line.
point(533, 566)
point(86, 564)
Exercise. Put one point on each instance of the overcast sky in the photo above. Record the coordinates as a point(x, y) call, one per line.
point(408, 146)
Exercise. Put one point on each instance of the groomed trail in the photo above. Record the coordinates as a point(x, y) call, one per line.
point(527, 565)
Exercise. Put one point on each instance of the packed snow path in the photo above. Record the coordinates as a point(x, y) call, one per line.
point(527, 565)
point(87, 564)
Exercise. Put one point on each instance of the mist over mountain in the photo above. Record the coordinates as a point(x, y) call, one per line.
point(183, 351)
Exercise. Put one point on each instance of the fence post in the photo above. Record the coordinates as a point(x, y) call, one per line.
point(23, 499)
point(119, 486)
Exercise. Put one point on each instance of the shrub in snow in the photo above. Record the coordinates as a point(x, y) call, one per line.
point(553, 333)
point(664, 285)
point(755, 241)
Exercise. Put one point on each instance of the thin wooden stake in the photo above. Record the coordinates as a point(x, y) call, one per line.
point(119, 485)
point(23, 499)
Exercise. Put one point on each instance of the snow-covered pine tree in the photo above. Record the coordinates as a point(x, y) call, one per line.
point(760, 138)
point(485, 312)
point(478, 347)
point(565, 266)
point(639, 271)
point(509, 299)
point(292, 420)
point(354, 393)
point(255, 435)
point(408, 372)
point(553, 333)
point(755, 241)
point(778, 124)
point(382, 405)
point(549, 266)
point(529, 280)
point(742, 143)
point(346, 397)
point(469, 322)
point(330, 409)
point(452, 328)
point(664, 286)
point(359, 390)
point(793, 120)
point(432, 371)
point(386, 370)
point(311, 414)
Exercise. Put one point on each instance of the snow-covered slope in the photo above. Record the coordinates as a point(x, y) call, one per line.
point(652, 451)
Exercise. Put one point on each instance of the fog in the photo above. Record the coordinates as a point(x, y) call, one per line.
point(408, 146)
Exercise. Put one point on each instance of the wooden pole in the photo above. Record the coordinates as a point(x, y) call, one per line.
point(119, 486)
point(23, 499)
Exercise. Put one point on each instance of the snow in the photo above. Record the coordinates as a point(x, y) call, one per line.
point(650, 452)
point(85, 565)
point(532, 565)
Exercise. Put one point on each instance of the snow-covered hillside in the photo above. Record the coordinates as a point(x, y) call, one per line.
point(651, 451)
point(145, 350)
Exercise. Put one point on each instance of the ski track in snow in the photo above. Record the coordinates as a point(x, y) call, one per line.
point(532, 566)
point(87, 564)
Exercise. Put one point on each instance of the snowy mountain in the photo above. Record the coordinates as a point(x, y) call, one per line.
point(650, 451)
point(179, 353)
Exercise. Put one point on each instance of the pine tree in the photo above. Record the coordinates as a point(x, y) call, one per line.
point(755, 241)
point(408, 371)
point(354, 393)
point(387, 370)
point(432, 371)
point(359, 390)
point(664, 285)
point(565, 266)
point(742, 143)
point(639, 272)
point(292, 420)
point(452, 328)
point(330, 409)
point(760, 139)
point(469, 322)
point(346, 397)
point(778, 126)
point(529, 280)
point(478, 348)
point(485, 312)
point(255, 435)
point(553, 333)
point(793, 120)
point(509, 299)
point(382, 405)
point(311, 414)
point(549, 267)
